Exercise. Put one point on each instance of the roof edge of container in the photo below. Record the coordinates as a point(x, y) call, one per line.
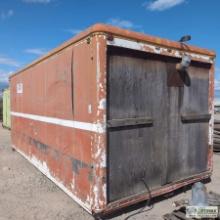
point(116, 31)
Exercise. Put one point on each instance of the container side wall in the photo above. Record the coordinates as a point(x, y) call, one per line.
point(55, 120)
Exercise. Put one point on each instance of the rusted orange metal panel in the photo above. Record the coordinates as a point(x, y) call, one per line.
point(58, 108)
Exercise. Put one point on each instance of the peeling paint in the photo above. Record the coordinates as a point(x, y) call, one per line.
point(100, 154)
point(73, 183)
point(155, 49)
point(104, 191)
point(102, 104)
point(90, 109)
point(96, 198)
point(42, 166)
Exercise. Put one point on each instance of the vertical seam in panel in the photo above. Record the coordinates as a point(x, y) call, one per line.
point(72, 82)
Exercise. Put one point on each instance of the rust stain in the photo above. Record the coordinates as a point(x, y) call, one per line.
point(78, 158)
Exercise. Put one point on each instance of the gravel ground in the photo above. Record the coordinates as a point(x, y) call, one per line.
point(26, 194)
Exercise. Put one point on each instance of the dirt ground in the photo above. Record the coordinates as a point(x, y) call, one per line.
point(26, 194)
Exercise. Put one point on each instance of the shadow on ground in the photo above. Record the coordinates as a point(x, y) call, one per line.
point(148, 205)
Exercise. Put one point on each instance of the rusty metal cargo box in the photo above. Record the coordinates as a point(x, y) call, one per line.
point(108, 112)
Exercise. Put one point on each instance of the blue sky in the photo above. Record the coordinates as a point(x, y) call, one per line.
point(30, 28)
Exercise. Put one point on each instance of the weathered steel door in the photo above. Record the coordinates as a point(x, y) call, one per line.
point(157, 122)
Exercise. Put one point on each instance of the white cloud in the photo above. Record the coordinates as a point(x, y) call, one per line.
point(4, 76)
point(74, 31)
point(6, 14)
point(8, 61)
point(37, 1)
point(161, 5)
point(123, 23)
point(36, 51)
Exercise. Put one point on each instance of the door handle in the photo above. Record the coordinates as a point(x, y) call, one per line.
point(195, 118)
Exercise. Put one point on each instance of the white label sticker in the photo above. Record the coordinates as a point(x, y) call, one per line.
point(201, 212)
point(19, 88)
